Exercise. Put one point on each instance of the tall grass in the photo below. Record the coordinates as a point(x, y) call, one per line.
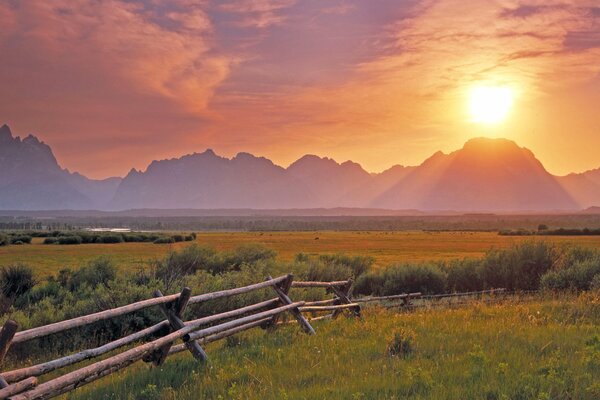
point(545, 349)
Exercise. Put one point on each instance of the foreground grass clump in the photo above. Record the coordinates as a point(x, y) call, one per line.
point(540, 349)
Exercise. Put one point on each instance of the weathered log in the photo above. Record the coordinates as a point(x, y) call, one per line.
point(41, 369)
point(438, 296)
point(18, 387)
point(328, 308)
point(221, 335)
point(342, 294)
point(285, 288)
point(173, 315)
point(232, 292)
point(44, 368)
point(92, 372)
point(383, 298)
point(295, 311)
point(7, 335)
point(321, 302)
point(46, 330)
point(140, 305)
point(301, 284)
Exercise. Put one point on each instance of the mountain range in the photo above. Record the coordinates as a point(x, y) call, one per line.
point(486, 175)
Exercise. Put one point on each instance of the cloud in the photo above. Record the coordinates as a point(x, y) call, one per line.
point(170, 56)
point(259, 13)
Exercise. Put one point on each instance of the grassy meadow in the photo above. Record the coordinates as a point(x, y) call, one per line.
point(537, 348)
point(385, 247)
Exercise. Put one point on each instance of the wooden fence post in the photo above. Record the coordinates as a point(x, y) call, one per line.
point(343, 294)
point(6, 336)
point(297, 314)
point(285, 288)
point(173, 312)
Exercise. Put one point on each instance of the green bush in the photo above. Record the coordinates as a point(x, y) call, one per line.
point(21, 238)
point(69, 240)
point(579, 276)
point(4, 240)
point(50, 240)
point(464, 275)
point(164, 240)
point(403, 278)
point(519, 267)
point(357, 264)
point(15, 281)
point(111, 239)
point(178, 238)
point(99, 271)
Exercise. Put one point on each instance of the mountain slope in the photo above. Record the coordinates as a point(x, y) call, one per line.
point(31, 179)
point(485, 175)
point(206, 180)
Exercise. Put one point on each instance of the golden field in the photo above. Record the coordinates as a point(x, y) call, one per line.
point(386, 247)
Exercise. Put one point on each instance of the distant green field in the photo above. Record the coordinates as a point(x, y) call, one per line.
point(537, 349)
point(385, 247)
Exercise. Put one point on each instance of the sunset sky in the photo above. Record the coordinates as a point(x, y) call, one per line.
point(114, 84)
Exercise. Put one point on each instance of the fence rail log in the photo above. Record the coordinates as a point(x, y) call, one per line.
point(232, 292)
point(295, 311)
point(173, 315)
point(18, 387)
point(44, 368)
point(321, 302)
point(328, 308)
point(439, 296)
point(9, 329)
point(218, 336)
point(392, 297)
point(56, 327)
point(302, 284)
point(92, 372)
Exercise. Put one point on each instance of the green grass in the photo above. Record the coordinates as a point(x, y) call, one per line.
point(386, 247)
point(536, 349)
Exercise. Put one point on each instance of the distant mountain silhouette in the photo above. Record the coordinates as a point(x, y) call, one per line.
point(486, 175)
point(31, 179)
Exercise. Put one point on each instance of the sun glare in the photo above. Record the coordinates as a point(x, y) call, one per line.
point(490, 104)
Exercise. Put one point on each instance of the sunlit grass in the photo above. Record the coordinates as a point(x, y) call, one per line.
point(386, 247)
point(540, 349)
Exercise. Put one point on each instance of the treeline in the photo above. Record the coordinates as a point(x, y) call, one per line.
point(257, 222)
point(552, 232)
point(85, 237)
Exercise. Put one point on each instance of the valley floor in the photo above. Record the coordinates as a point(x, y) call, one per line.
point(528, 348)
point(386, 247)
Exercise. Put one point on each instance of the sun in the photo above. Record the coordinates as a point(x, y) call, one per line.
point(490, 104)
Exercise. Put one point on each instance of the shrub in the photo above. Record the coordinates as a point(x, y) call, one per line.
point(250, 253)
point(69, 240)
point(579, 276)
point(15, 281)
point(21, 238)
point(464, 275)
point(164, 240)
point(4, 240)
point(111, 239)
point(402, 343)
point(50, 240)
point(178, 264)
point(357, 264)
point(178, 238)
point(519, 267)
point(403, 278)
point(99, 271)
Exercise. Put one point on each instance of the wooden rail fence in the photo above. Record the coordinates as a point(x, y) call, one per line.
point(22, 383)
